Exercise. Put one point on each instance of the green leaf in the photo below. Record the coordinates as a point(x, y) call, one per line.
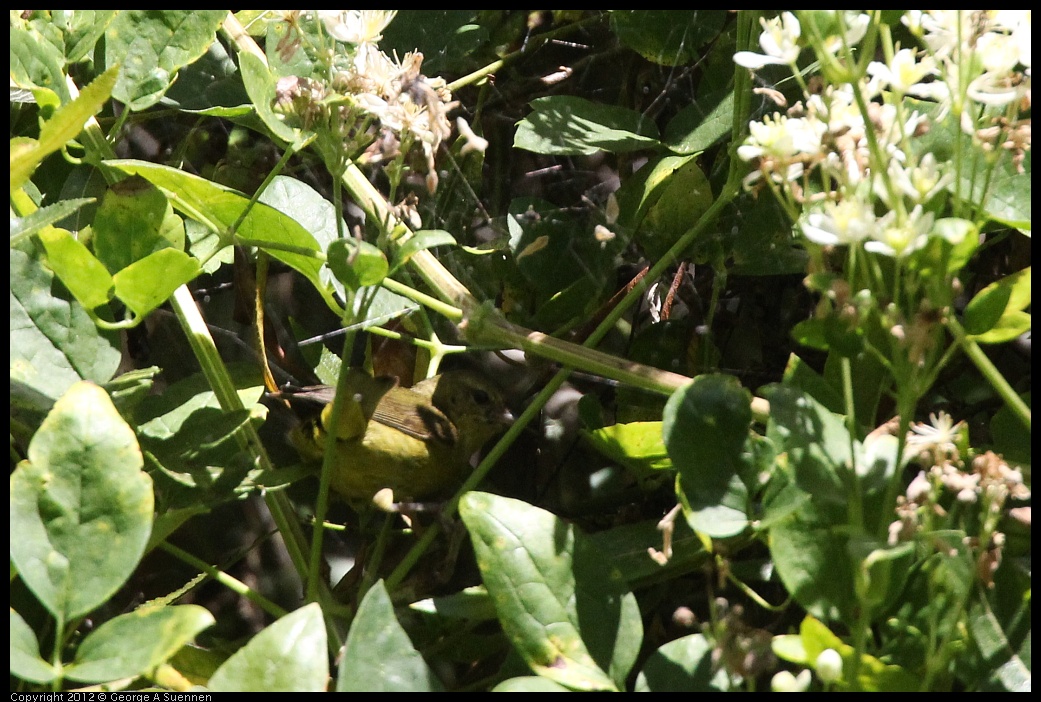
point(999, 308)
point(628, 546)
point(683, 665)
point(683, 198)
point(810, 546)
point(148, 283)
point(667, 37)
point(153, 45)
point(291, 655)
point(568, 612)
point(134, 220)
point(135, 643)
point(638, 446)
point(81, 505)
point(873, 676)
point(260, 85)
point(24, 227)
point(83, 31)
point(357, 264)
point(1010, 199)
point(220, 207)
point(64, 125)
point(26, 662)
point(421, 241)
point(706, 429)
point(378, 655)
point(36, 62)
point(701, 124)
point(194, 442)
point(54, 343)
point(571, 126)
point(85, 276)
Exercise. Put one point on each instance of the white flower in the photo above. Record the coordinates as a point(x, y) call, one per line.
point(356, 26)
point(781, 138)
point(919, 183)
point(856, 28)
point(784, 681)
point(846, 222)
point(904, 72)
point(940, 434)
point(896, 238)
point(829, 665)
point(779, 41)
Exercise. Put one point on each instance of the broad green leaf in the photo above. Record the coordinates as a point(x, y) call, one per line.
point(291, 655)
point(810, 546)
point(85, 276)
point(81, 505)
point(148, 283)
point(357, 264)
point(54, 342)
point(1010, 199)
point(1000, 306)
point(667, 37)
point(219, 207)
point(628, 546)
point(568, 612)
point(378, 656)
point(64, 125)
point(700, 124)
point(83, 30)
point(683, 665)
point(637, 445)
point(26, 662)
point(645, 189)
point(153, 45)
point(133, 221)
point(135, 643)
point(23, 227)
point(572, 126)
point(706, 429)
point(1012, 325)
point(36, 62)
point(817, 444)
point(800, 375)
point(193, 442)
point(684, 197)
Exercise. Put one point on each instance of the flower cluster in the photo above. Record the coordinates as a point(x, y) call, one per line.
point(848, 151)
point(377, 106)
point(987, 480)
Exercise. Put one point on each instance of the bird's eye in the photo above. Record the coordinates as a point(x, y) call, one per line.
point(481, 397)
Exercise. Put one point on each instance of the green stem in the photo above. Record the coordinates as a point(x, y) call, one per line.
point(232, 583)
point(219, 378)
point(1007, 393)
point(447, 311)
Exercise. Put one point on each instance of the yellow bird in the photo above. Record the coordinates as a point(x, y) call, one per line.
point(416, 441)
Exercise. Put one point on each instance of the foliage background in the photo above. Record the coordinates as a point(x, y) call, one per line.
point(609, 137)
